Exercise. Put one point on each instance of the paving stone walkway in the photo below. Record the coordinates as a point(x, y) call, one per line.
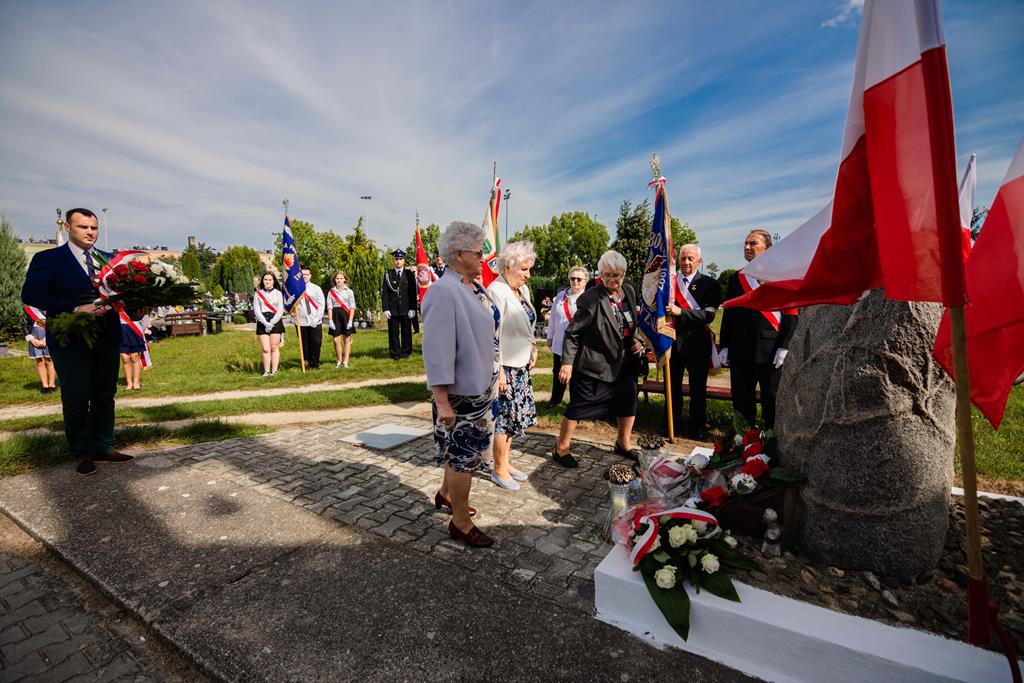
point(56, 627)
point(548, 534)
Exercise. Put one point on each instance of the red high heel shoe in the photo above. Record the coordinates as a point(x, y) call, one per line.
point(440, 502)
point(474, 538)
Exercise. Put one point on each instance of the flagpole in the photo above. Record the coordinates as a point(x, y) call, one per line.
point(668, 398)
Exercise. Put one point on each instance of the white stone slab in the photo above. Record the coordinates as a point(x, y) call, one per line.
point(780, 639)
point(957, 491)
point(385, 436)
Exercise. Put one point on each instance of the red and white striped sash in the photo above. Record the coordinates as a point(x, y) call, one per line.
point(685, 300)
point(565, 308)
point(749, 284)
point(341, 304)
point(309, 300)
point(270, 307)
point(37, 315)
point(137, 331)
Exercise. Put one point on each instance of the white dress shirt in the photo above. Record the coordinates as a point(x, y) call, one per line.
point(312, 314)
point(558, 322)
point(80, 257)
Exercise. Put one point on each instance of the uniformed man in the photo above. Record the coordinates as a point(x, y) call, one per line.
point(311, 320)
point(398, 299)
point(437, 270)
point(754, 343)
point(696, 301)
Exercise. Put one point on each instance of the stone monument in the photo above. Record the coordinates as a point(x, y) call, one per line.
point(865, 412)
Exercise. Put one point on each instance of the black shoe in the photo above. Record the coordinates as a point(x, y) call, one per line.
point(112, 456)
point(633, 454)
point(86, 466)
point(564, 460)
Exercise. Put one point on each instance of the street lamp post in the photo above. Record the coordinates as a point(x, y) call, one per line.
point(508, 196)
point(106, 231)
point(366, 219)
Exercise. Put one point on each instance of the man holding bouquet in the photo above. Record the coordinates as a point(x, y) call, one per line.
point(59, 281)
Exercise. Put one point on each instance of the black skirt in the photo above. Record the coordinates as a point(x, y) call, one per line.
point(278, 328)
point(593, 399)
point(340, 319)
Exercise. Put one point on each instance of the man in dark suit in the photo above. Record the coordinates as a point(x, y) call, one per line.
point(59, 281)
point(696, 301)
point(754, 343)
point(398, 299)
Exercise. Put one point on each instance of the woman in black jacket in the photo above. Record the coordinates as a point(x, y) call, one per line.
point(600, 357)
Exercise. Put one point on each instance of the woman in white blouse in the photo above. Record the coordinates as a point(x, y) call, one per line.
point(341, 318)
point(562, 311)
point(268, 307)
point(515, 410)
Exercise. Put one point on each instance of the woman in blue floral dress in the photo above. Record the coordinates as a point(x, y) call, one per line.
point(460, 355)
point(516, 410)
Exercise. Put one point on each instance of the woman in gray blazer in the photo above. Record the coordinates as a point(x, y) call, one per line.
point(516, 409)
point(600, 358)
point(460, 354)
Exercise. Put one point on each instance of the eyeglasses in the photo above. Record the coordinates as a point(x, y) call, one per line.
point(478, 254)
point(576, 279)
point(612, 276)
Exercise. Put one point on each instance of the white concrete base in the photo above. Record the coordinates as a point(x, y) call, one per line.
point(780, 639)
point(385, 436)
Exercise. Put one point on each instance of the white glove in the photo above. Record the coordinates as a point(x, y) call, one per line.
point(330, 323)
point(267, 327)
point(387, 315)
point(412, 314)
point(723, 357)
point(780, 357)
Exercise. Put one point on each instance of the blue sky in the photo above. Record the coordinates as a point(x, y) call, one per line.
point(199, 117)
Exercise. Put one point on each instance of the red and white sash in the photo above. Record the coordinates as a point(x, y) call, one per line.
point(685, 300)
point(308, 298)
point(38, 317)
point(642, 543)
point(565, 308)
point(341, 304)
point(137, 331)
point(749, 284)
point(273, 311)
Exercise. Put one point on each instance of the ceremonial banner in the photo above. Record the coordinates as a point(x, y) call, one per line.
point(423, 272)
point(294, 285)
point(489, 259)
point(893, 221)
point(657, 289)
point(995, 314)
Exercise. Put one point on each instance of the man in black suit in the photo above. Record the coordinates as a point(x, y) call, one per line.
point(437, 269)
point(754, 343)
point(60, 281)
point(696, 301)
point(398, 299)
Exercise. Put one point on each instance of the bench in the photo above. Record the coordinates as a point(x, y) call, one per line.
point(656, 386)
point(183, 324)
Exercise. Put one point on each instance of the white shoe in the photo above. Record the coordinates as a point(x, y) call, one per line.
point(337, 365)
point(518, 475)
point(345, 364)
point(510, 484)
point(267, 373)
point(274, 372)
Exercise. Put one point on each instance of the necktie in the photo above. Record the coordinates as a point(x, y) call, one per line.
point(686, 282)
point(90, 265)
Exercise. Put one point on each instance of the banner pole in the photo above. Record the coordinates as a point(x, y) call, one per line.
point(298, 332)
point(668, 398)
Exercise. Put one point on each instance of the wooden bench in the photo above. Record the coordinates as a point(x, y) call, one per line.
point(657, 386)
point(183, 324)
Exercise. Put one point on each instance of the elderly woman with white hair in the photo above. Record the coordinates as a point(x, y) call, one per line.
point(460, 354)
point(600, 357)
point(516, 409)
point(562, 310)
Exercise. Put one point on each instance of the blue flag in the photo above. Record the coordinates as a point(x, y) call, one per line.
point(659, 280)
point(294, 285)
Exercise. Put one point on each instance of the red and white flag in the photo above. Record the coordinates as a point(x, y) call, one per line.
point(893, 221)
point(489, 259)
point(994, 317)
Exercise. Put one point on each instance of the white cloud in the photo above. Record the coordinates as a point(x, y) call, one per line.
point(846, 15)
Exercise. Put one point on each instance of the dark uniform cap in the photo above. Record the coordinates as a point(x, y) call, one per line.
point(398, 253)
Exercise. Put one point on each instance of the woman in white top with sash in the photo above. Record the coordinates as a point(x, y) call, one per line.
point(341, 316)
point(268, 308)
point(562, 311)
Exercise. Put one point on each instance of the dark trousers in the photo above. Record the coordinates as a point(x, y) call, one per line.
point(399, 348)
point(88, 383)
point(557, 388)
point(745, 378)
point(312, 339)
point(415, 326)
point(694, 363)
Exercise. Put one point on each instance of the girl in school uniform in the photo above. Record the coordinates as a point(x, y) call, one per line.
point(134, 348)
point(34, 327)
point(268, 308)
point(341, 309)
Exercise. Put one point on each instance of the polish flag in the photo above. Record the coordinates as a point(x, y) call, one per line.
point(489, 259)
point(994, 317)
point(893, 221)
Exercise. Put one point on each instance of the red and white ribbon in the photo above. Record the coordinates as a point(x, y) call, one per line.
point(137, 331)
point(642, 544)
point(104, 274)
point(309, 300)
point(37, 315)
point(749, 284)
point(341, 304)
point(270, 308)
point(565, 308)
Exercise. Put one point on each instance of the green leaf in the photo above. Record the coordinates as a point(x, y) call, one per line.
point(721, 585)
point(730, 557)
point(674, 604)
point(692, 559)
point(661, 556)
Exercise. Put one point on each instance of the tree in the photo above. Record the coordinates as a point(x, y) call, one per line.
point(190, 266)
point(977, 219)
point(12, 277)
point(364, 263)
point(429, 235)
point(632, 235)
point(723, 280)
point(206, 256)
point(322, 251)
point(235, 270)
point(571, 239)
point(713, 269)
point(682, 233)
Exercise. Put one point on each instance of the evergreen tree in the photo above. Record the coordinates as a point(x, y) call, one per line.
point(234, 270)
point(364, 262)
point(632, 235)
point(723, 280)
point(12, 276)
point(190, 266)
point(206, 257)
